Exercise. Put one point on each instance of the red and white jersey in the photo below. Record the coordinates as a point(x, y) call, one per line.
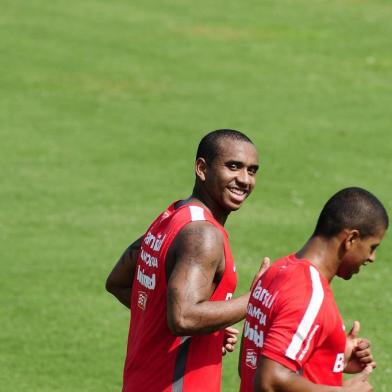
point(158, 361)
point(292, 318)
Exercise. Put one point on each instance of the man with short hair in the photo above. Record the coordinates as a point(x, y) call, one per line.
point(178, 279)
point(293, 338)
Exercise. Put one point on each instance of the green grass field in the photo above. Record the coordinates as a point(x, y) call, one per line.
point(102, 105)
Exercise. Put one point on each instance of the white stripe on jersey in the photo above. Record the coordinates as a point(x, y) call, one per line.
point(309, 316)
point(197, 213)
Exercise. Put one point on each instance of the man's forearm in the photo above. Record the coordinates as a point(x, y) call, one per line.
point(271, 376)
point(206, 316)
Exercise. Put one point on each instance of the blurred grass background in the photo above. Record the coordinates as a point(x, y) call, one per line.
point(102, 105)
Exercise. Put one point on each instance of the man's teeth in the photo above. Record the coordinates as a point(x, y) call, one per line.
point(237, 191)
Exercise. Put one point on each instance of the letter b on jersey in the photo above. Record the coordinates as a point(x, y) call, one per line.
point(339, 363)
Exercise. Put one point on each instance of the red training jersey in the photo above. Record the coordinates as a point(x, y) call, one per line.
point(158, 361)
point(292, 318)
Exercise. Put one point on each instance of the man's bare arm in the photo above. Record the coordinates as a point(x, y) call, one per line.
point(271, 376)
point(119, 281)
point(197, 254)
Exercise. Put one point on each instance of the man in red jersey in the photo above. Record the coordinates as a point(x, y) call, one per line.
point(179, 277)
point(293, 338)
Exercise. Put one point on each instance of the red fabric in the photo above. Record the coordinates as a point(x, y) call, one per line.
point(152, 349)
point(293, 319)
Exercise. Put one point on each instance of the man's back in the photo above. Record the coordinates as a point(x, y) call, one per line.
point(293, 319)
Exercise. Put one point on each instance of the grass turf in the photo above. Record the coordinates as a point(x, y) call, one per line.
point(102, 105)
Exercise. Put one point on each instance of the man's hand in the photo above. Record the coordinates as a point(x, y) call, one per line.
point(358, 353)
point(229, 340)
point(359, 383)
point(263, 267)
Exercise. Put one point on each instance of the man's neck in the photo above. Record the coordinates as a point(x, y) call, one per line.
point(206, 202)
point(323, 253)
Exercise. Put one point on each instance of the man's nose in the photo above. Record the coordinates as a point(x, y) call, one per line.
point(244, 177)
point(372, 257)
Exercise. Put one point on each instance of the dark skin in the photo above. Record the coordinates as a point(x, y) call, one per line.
point(119, 282)
point(197, 254)
point(195, 260)
point(272, 377)
point(340, 255)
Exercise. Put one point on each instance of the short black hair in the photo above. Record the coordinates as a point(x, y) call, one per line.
point(209, 145)
point(352, 208)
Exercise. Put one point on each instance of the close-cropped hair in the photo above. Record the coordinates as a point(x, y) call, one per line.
point(209, 145)
point(352, 208)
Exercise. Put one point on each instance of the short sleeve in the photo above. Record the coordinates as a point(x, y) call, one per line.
point(294, 328)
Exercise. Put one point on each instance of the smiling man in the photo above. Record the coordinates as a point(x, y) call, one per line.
point(178, 279)
point(294, 338)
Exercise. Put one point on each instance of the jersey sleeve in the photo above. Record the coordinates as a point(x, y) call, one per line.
point(294, 329)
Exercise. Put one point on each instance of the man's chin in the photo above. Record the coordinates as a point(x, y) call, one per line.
point(229, 205)
point(233, 207)
point(344, 276)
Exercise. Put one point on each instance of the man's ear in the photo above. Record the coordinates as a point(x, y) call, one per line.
point(201, 169)
point(352, 236)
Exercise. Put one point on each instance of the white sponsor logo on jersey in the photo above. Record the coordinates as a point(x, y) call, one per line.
point(251, 358)
point(253, 334)
point(145, 280)
point(155, 243)
point(256, 312)
point(151, 261)
point(263, 295)
point(142, 300)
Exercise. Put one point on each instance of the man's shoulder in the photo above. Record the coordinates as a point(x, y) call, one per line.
point(175, 217)
point(288, 274)
point(202, 231)
point(289, 265)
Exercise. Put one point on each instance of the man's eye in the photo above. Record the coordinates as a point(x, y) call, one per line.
point(232, 166)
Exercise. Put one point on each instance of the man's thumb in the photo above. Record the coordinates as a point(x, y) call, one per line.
point(264, 265)
point(355, 329)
